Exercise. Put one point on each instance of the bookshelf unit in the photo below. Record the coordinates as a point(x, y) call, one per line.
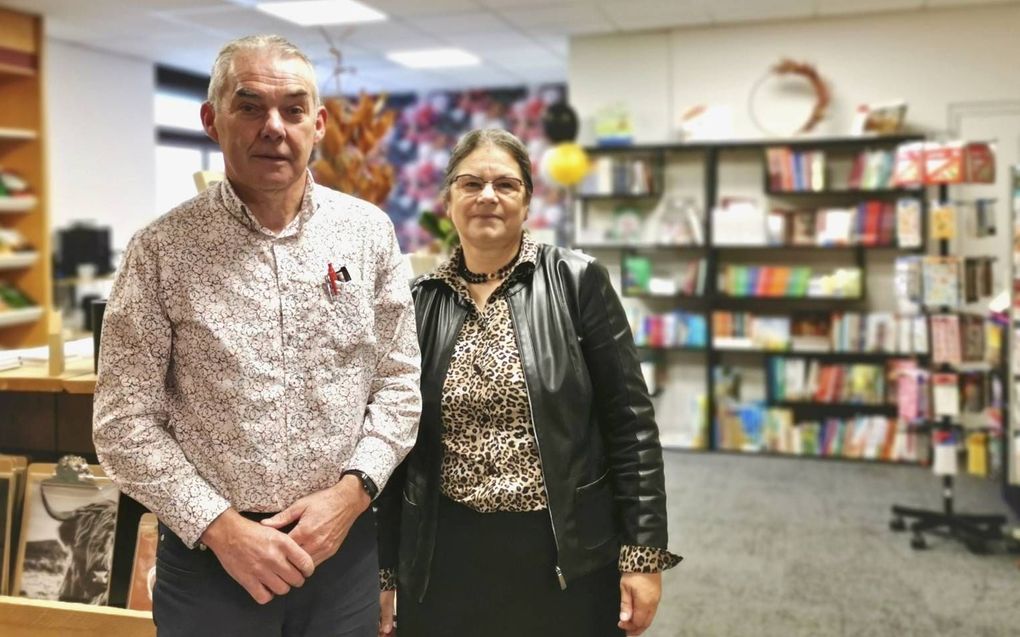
point(22, 152)
point(1011, 489)
point(717, 254)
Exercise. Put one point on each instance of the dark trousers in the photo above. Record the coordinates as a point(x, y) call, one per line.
point(493, 575)
point(195, 597)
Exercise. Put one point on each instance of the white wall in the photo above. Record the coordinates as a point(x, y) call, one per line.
point(931, 58)
point(100, 132)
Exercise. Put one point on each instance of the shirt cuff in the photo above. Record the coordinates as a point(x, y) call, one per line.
point(387, 579)
point(646, 559)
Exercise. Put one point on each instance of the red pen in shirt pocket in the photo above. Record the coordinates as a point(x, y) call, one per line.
point(334, 276)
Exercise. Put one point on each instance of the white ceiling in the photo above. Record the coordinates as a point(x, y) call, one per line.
point(519, 41)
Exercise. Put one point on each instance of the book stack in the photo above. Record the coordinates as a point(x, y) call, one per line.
point(643, 276)
point(803, 380)
point(795, 171)
point(672, 329)
point(788, 282)
point(614, 175)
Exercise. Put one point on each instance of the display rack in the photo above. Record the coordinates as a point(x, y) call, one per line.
point(975, 531)
point(716, 251)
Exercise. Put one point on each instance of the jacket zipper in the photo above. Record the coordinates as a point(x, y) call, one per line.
point(538, 445)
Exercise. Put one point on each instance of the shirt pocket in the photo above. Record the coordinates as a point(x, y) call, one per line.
point(349, 316)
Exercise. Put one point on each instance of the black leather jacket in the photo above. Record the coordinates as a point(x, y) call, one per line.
point(597, 437)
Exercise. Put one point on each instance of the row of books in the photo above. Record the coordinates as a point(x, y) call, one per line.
point(37, 558)
point(619, 176)
point(872, 170)
point(755, 428)
point(793, 379)
point(936, 281)
point(872, 332)
point(788, 282)
point(965, 338)
point(795, 171)
point(644, 276)
point(973, 396)
point(672, 329)
point(869, 223)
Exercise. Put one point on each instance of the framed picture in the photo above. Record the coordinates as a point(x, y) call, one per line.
point(6, 514)
point(12, 489)
point(65, 551)
point(143, 573)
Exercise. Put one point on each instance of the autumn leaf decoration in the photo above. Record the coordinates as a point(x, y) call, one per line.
point(351, 157)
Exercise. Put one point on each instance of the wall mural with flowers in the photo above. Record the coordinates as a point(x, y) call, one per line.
point(428, 125)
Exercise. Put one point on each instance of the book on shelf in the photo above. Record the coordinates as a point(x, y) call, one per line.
point(972, 333)
point(788, 282)
point(671, 329)
point(615, 175)
point(907, 284)
point(821, 332)
point(940, 281)
point(945, 395)
point(943, 221)
point(753, 428)
point(794, 170)
point(908, 223)
point(945, 339)
point(643, 276)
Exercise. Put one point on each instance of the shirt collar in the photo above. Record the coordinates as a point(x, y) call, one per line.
point(239, 211)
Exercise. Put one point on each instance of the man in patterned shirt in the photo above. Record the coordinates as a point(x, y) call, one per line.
point(259, 371)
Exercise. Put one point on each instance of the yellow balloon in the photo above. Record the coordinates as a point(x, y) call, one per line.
point(568, 164)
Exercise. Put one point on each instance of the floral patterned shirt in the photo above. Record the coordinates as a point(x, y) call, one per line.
point(231, 374)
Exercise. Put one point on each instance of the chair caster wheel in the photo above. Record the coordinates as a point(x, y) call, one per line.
point(917, 543)
point(897, 524)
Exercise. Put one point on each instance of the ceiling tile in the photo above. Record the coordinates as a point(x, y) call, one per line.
point(755, 10)
point(567, 19)
point(841, 7)
point(960, 3)
point(474, 22)
point(415, 8)
point(656, 14)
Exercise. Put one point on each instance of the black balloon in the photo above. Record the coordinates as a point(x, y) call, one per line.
point(560, 123)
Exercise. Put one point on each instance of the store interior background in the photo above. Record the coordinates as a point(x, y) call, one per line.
point(953, 61)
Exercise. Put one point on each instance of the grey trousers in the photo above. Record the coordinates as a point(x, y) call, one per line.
point(195, 597)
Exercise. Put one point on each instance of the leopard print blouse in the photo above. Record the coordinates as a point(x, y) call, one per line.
point(490, 455)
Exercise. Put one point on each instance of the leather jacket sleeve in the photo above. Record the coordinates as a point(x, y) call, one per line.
point(625, 412)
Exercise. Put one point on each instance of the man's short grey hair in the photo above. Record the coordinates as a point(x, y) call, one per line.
point(272, 43)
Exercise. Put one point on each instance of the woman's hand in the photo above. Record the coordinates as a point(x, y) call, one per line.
point(387, 615)
point(639, 599)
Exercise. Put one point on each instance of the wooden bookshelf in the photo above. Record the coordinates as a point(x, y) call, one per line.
point(22, 151)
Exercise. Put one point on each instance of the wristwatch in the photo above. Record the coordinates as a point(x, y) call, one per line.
point(366, 482)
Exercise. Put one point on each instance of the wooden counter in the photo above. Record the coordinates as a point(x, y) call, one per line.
point(47, 414)
point(35, 377)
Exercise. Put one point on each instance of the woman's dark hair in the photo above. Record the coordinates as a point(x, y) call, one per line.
point(489, 137)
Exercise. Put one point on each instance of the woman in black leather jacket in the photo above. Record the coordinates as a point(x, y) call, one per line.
point(533, 503)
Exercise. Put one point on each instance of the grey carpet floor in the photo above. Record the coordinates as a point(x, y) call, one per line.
point(799, 547)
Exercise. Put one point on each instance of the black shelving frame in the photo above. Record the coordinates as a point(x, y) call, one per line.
point(712, 153)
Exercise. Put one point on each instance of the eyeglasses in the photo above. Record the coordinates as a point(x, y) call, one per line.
point(503, 186)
